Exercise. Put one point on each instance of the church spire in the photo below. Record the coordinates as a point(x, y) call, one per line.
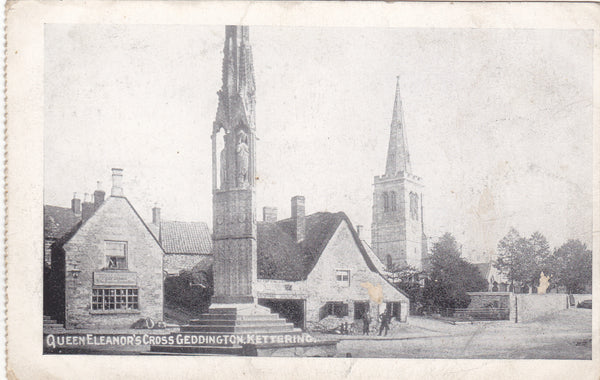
point(398, 159)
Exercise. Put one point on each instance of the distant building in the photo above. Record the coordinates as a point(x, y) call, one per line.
point(58, 221)
point(312, 266)
point(497, 282)
point(107, 271)
point(397, 231)
point(186, 244)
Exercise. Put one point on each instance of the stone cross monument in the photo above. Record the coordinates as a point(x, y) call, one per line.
point(234, 313)
point(234, 207)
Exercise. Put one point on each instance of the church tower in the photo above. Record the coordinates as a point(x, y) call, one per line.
point(397, 234)
point(234, 207)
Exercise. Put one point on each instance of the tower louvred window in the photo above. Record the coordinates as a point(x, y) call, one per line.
point(393, 201)
point(386, 202)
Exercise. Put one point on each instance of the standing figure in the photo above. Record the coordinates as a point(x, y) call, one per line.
point(366, 321)
point(385, 323)
point(243, 156)
point(223, 162)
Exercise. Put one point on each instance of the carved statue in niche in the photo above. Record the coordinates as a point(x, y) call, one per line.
point(223, 165)
point(243, 156)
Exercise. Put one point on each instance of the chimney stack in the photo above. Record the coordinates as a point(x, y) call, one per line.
point(270, 214)
point(117, 182)
point(76, 204)
point(156, 215)
point(298, 217)
point(87, 207)
point(98, 196)
point(359, 229)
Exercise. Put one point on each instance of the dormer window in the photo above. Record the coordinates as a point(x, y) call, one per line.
point(116, 254)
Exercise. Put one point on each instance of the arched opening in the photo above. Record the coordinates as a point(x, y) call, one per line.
point(386, 202)
point(393, 201)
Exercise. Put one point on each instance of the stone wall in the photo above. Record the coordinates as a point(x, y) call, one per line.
point(523, 307)
point(581, 297)
point(85, 254)
point(481, 300)
point(532, 306)
point(174, 263)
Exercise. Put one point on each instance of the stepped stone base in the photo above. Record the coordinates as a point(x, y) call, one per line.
point(244, 330)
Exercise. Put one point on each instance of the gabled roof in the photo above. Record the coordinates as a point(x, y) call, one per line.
point(280, 257)
point(378, 264)
point(58, 221)
point(67, 234)
point(484, 269)
point(185, 237)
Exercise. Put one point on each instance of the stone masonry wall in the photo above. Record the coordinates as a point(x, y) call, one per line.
point(85, 253)
point(175, 263)
point(532, 306)
point(394, 232)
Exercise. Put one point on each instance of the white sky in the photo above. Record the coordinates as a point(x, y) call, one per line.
point(499, 122)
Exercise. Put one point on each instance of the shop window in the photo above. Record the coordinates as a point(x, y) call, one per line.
point(116, 254)
point(342, 277)
point(112, 299)
point(338, 309)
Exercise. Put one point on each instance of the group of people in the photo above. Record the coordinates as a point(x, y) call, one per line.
point(384, 325)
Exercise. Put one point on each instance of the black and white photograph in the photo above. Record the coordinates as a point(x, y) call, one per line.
point(301, 191)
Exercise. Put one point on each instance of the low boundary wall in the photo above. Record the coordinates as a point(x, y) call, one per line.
point(524, 307)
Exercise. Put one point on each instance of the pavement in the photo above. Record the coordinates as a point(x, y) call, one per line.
point(563, 335)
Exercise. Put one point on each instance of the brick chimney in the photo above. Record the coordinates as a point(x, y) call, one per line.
point(98, 196)
point(270, 214)
point(76, 204)
point(117, 182)
point(87, 207)
point(298, 217)
point(156, 215)
point(359, 229)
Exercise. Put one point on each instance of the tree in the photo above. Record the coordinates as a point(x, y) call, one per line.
point(572, 266)
point(451, 276)
point(406, 278)
point(522, 259)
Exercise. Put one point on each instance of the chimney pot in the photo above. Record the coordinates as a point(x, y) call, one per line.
point(98, 197)
point(270, 214)
point(298, 216)
point(117, 182)
point(359, 229)
point(87, 207)
point(76, 204)
point(156, 215)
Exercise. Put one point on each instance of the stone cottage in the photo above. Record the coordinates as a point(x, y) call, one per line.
point(187, 245)
point(108, 270)
point(312, 266)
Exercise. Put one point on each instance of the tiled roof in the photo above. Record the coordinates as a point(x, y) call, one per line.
point(58, 221)
point(281, 258)
point(185, 237)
